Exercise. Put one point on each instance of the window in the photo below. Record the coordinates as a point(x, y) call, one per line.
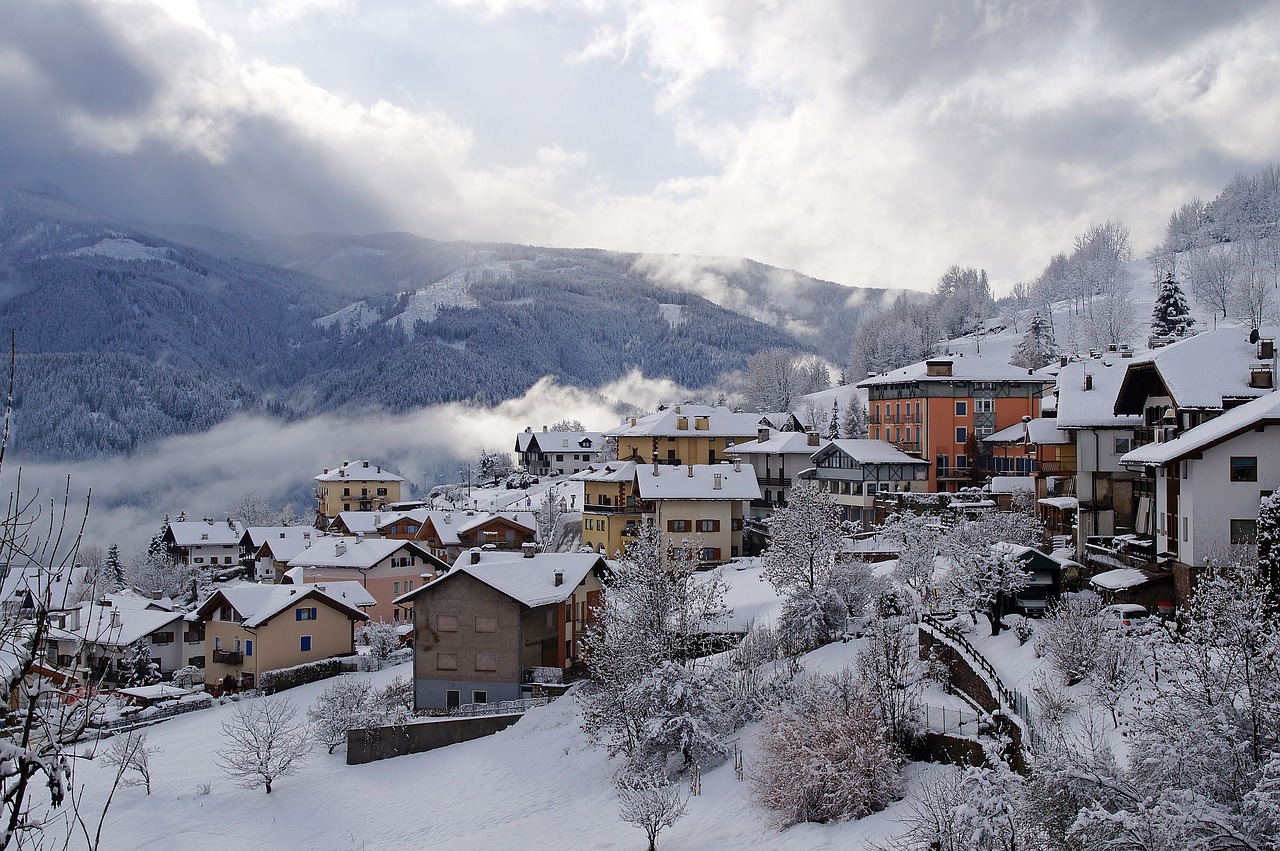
point(446, 623)
point(1123, 445)
point(1244, 531)
point(197, 661)
point(248, 647)
point(559, 457)
point(346, 491)
point(677, 525)
point(708, 525)
point(962, 462)
point(962, 408)
point(589, 524)
point(304, 644)
point(962, 434)
point(709, 554)
point(395, 588)
point(217, 642)
point(486, 661)
point(479, 697)
point(486, 624)
point(198, 559)
point(735, 524)
point(162, 638)
point(446, 661)
point(983, 406)
point(304, 614)
point(226, 559)
point(382, 491)
point(1244, 469)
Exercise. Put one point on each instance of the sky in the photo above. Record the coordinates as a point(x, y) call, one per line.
point(870, 142)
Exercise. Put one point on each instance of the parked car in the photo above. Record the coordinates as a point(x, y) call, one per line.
point(1125, 616)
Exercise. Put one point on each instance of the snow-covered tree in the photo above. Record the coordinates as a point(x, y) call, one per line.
point(263, 742)
point(833, 424)
point(130, 755)
point(1037, 348)
point(889, 673)
point(1269, 547)
point(970, 809)
point(254, 510)
point(811, 618)
point(382, 639)
point(655, 612)
point(1213, 271)
point(825, 756)
point(652, 805)
point(393, 703)
point(804, 537)
point(547, 515)
point(984, 576)
point(854, 423)
point(776, 379)
point(137, 666)
point(342, 706)
point(149, 571)
point(114, 567)
point(1171, 316)
point(567, 425)
point(1068, 637)
point(492, 467)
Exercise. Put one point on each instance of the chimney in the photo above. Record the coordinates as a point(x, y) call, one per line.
point(737, 465)
point(677, 409)
point(655, 463)
point(633, 420)
point(448, 518)
point(763, 434)
point(366, 465)
point(719, 479)
point(529, 549)
point(691, 471)
point(339, 549)
point(937, 368)
point(115, 618)
point(475, 555)
point(813, 438)
point(544, 429)
point(1088, 381)
point(559, 577)
point(1062, 360)
point(157, 595)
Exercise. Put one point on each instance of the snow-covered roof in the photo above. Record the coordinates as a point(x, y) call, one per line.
point(1041, 430)
point(1201, 372)
point(203, 533)
point(366, 522)
point(697, 481)
point(446, 523)
point(565, 441)
point(417, 515)
point(1063, 502)
point(348, 590)
point(866, 451)
point(531, 581)
point(19, 580)
point(159, 691)
point(1090, 402)
point(1264, 411)
point(259, 535)
point(720, 422)
point(971, 368)
point(778, 443)
point(351, 552)
point(1120, 578)
point(358, 471)
point(257, 604)
point(126, 619)
point(524, 519)
point(1013, 484)
point(613, 471)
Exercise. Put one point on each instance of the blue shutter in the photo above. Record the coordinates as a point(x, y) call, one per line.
point(248, 647)
point(306, 643)
point(313, 612)
point(297, 614)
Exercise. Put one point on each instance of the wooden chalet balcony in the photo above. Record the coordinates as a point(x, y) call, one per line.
point(1054, 468)
point(634, 508)
point(228, 657)
point(776, 481)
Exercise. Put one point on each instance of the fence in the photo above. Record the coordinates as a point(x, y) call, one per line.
point(153, 714)
point(948, 720)
point(1008, 698)
point(501, 707)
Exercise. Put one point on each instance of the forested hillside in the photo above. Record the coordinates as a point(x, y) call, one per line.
point(125, 336)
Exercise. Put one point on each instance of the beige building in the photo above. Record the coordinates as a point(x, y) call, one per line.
point(386, 567)
point(251, 629)
point(354, 486)
point(684, 434)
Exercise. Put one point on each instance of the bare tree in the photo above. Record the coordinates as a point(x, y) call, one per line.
point(264, 742)
point(342, 706)
point(651, 806)
point(1213, 272)
point(130, 754)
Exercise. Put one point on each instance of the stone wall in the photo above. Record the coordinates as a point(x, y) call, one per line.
point(385, 742)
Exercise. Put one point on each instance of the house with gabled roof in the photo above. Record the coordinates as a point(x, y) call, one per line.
point(1208, 483)
point(557, 453)
point(93, 638)
point(251, 629)
point(206, 544)
point(497, 622)
point(684, 434)
point(854, 470)
point(386, 567)
point(354, 486)
point(778, 457)
point(265, 547)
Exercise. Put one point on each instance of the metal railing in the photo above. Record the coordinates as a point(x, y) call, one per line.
point(947, 719)
point(501, 707)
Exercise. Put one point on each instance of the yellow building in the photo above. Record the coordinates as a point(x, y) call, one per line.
point(684, 434)
point(354, 486)
point(251, 629)
point(695, 505)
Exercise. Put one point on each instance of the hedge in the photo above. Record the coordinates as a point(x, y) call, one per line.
point(286, 678)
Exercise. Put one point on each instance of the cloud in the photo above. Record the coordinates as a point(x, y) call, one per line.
point(203, 474)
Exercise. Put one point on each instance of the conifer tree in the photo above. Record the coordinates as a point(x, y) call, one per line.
point(113, 566)
point(1171, 317)
point(854, 423)
point(1037, 348)
point(833, 426)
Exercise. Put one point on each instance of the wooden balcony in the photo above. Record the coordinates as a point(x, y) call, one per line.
point(228, 657)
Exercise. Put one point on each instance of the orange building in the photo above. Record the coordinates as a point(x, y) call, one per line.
point(941, 409)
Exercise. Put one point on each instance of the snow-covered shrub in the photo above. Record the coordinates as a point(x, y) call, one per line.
point(519, 479)
point(1070, 635)
point(826, 756)
point(889, 673)
point(393, 703)
point(684, 716)
point(975, 809)
point(810, 619)
point(552, 675)
point(651, 804)
point(342, 706)
point(286, 678)
point(1051, 702)
point(188, 676)
point(1023, 629)
point(130, 756)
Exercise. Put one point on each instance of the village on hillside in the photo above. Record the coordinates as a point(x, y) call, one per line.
point(986, 565)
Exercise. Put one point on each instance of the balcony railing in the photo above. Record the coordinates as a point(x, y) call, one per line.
point(776, 481)
point(893, 419)
point(633, 508)
point(228, 657)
